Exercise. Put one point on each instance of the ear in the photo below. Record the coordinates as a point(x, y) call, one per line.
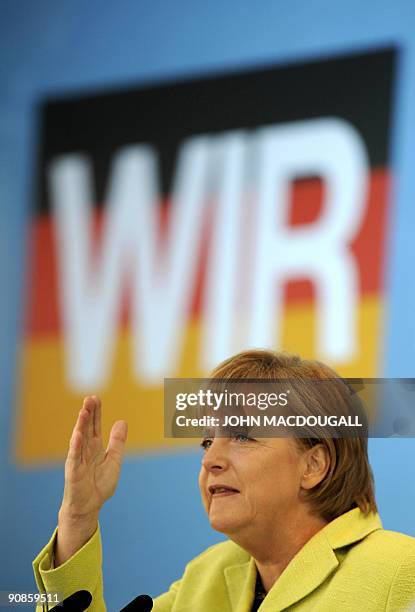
point(316, 465)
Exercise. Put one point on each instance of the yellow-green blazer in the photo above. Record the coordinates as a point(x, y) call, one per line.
point(351, 565)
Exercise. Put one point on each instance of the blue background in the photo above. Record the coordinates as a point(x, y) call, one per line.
point(155, 523)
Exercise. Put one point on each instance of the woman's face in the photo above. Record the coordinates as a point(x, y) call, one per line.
point(261, 481)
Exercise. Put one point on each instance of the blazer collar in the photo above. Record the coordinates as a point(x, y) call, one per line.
point(240, 581)
point(307, 570)
point(351, 527)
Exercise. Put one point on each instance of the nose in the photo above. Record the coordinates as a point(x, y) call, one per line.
point(216, 457)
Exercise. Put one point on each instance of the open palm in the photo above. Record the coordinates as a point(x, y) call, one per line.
point(92, 472)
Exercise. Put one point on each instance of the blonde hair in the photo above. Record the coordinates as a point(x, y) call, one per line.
point(349, 480)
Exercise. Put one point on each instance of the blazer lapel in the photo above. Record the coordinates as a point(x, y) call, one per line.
point(240, 582)
point(316, 560)
point(310, 567)
point(306, 571)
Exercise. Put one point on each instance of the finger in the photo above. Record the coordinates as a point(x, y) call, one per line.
point(89, 406)
point(81, 424)
point(75, 449)
point(116, 444)
point(97, 417)
point(84, 426)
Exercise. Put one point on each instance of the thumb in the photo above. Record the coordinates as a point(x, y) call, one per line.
point(118, 437)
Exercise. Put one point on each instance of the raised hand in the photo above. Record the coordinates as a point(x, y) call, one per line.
point(91, 477)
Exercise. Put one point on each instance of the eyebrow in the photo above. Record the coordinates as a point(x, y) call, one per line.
point(209, 432)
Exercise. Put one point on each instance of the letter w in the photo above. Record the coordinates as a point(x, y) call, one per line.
point(162, 283)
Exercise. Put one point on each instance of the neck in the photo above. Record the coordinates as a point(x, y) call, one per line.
point(273, 551)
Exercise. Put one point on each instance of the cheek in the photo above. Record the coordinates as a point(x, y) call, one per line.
point(277, 481)
point(202, 486)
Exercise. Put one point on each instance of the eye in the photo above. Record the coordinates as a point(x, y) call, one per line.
point(206, 443)
point(241, 437)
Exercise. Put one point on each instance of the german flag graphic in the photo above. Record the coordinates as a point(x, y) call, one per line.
point(176, 224)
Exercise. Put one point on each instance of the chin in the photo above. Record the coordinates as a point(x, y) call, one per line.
point(224, 524)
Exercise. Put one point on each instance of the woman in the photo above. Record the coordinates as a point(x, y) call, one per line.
point(300, 514)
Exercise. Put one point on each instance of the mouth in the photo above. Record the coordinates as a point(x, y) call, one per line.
point(219, 490)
